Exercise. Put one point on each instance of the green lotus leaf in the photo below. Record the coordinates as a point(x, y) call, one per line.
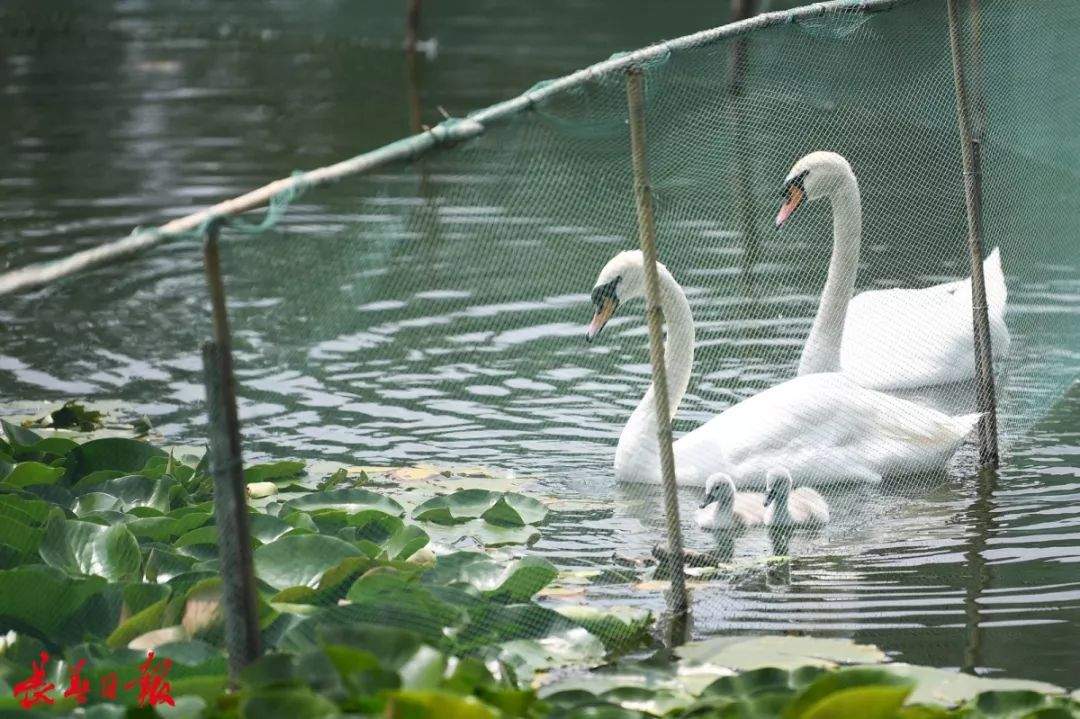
point(201, 543)
point(346, 500)
point(136, 490)
point(52, 446)
point(19, 436)
point(163, 565)
point(273, 471)
point(22, 538)
point(25, 474)
point(515, 581)
point(286, 703)
point(149, 619)
point(502, 508)
point(116, 453)
point(267, 528)
point(26, 510)
point(436, 705)
point(869, 693)
point(44, 600)
point(80, 547)
point(300, 560)
point(621, 629)
point(87, 483)
point(484, 533)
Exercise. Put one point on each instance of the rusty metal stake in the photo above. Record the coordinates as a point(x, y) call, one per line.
point(230, 494)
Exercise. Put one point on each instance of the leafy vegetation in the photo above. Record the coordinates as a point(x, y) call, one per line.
point(371, 602)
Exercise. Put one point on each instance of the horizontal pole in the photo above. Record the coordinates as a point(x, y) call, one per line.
point(448, 132)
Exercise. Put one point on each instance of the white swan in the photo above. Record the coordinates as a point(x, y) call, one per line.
point(787, 507)
point(885, 339)
point(824, 427)
point(724, 508)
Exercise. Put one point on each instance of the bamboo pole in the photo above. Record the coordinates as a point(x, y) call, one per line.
point(412, 25)
point(677, 599)
point(230, 494)
point(738, 61)
point(978, 85)
point(972, 160)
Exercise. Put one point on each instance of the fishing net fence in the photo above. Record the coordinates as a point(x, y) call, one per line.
point(463, 286)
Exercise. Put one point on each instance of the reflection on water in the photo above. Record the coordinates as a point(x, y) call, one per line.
point(436, 314)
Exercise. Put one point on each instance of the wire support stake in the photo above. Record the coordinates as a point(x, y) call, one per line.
point(971, 151)
point(678, 604)
point(230, 495)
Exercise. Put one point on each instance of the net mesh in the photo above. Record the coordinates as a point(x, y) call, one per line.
point(437, 310)
point(471, 270)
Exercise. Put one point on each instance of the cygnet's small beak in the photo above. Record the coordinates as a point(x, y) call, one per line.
point(603, 313)
point(768, 499)
point(704, 502)
point(794, 196)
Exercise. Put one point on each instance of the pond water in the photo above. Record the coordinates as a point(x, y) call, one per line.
point(380, 325)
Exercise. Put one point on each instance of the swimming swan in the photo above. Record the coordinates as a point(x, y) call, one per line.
point(885, 339)
point(724, 508)
point(823, 427)
point(787, 507)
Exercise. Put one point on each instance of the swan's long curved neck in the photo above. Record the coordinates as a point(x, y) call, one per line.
point(637, 443)
point(822, 350)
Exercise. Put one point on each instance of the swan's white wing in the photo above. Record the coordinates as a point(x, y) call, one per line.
point(911, 338)
point(807, 507)
point(824, 428)
point(750, 508)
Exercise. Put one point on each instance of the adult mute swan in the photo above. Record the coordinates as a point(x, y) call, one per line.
point(787, 507)
point(823, 427)
point(885, 339)
point(725, 509)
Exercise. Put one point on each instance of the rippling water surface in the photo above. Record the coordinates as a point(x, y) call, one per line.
point(393, 320)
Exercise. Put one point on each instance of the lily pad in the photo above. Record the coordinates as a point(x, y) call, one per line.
point(621, 629)
point(85, 548)
point(21, 537)
point(742, 653)
point(866, 693)
point(25, 474)
point(484, 534)
point(948, 688)
point(404, 703)
point(516, 581)
point(19, 435)
point(115, 453)
point(136, 490)
point(162, 565)
point(273, 471)
point(503, 508)
point(300, 560)
point(165, 529)
point(267, 528)
point(26, 510)
point(44, 599)
point(346, 500)
point(572, 647)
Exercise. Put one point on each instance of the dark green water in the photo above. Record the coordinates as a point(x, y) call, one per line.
point(435, 313)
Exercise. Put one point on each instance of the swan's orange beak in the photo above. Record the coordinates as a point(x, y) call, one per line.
point(794, 196)
point(604, 313)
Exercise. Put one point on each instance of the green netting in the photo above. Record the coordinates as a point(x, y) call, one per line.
point(478, 261)
point(438, 317)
